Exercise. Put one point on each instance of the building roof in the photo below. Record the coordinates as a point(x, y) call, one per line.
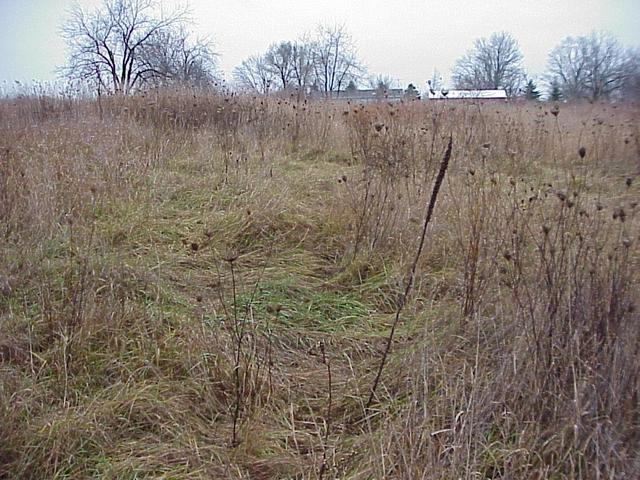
point(468, 94)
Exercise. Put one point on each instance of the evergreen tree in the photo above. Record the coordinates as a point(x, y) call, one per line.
point(531, 91)
point(411, 93)
point(555, 94)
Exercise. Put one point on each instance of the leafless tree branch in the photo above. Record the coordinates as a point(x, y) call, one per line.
point(492, 63)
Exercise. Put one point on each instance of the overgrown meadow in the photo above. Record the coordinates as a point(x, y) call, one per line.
point(197, 285)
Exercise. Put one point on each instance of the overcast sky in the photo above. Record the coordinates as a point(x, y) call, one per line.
point(405, 39)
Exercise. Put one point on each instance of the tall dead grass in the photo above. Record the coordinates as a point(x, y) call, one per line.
point(198, 285)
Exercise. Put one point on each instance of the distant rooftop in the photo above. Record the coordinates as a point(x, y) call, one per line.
point(499, 94)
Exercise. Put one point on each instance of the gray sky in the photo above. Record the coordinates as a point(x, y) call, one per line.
point(405, 39)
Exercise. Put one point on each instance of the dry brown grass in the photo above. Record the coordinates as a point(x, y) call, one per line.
point(197, 285)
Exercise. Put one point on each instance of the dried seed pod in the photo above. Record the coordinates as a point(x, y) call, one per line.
point(582, 152)
point(619, 214)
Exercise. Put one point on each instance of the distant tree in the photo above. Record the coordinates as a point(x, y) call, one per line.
point(492, 63)
point(351, 87)
point(335, 60)
point(435, 82)
point(531, 91)
point(280, 60)
point(285, 65)
point(631, 87)
point(107, 45)
point(411, 93)
point(323, 63)
point(555, 94)
point(593, 66)
point(302, 63)
point(381, 82)
point(177, 59)
point(254, 75)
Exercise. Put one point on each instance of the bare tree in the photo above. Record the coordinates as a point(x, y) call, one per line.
point(106, 45)
point(568, 68)
point(280, 60)
point(177, 59)
point(594, 66)
point(335, 60)
point(382, 82)
point(631, 88)
point(254, 75)
point(303, 63)
point(492, 63)
point(285, 65)
point(327, 62)
point(435, 83)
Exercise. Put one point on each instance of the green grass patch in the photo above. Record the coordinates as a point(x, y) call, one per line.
point(306, 307)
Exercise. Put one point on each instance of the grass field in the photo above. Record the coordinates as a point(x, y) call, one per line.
point(196, 285)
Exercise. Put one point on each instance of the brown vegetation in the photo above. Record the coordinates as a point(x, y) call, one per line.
point(196, 285)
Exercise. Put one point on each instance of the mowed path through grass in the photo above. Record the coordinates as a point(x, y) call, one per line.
point(143, 383)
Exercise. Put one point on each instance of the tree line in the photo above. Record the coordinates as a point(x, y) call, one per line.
point(124, 45)
point(595, 66)
point(325, 61)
